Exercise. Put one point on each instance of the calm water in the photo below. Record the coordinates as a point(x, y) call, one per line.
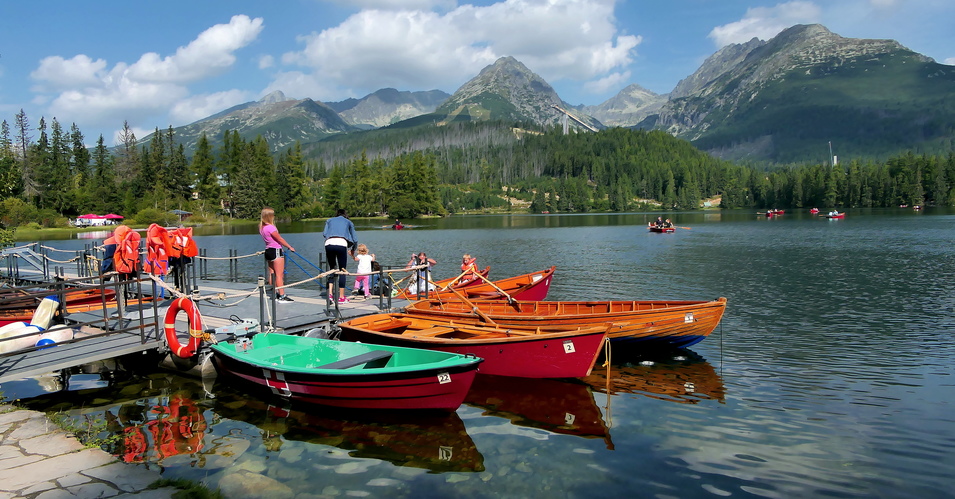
point(830, 375)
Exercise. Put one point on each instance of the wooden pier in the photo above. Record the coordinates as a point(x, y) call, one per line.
point(105, 331)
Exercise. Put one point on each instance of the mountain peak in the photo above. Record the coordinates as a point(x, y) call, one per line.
point(273, 98)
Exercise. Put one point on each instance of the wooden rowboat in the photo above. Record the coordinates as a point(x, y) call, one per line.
point(349, 375)
point(661, 229)
point(521, 351)
point(647, 323)
point(79, 300)
point(451, 281)
point(835, 216)
point(530, 287)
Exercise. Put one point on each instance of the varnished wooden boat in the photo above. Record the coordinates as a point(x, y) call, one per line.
point(530, 287)
point(521, 351)
point(348, 375)
point(452, 282)
point(662, 230)
point(655, 323)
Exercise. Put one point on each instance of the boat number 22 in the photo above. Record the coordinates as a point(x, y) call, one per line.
point(569, 346)
point(444, 378)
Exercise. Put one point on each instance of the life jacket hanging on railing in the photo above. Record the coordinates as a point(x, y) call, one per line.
point(181, 252)
point(158, 247)
point(126, 256)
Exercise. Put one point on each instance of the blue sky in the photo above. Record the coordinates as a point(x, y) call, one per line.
point(174, 62)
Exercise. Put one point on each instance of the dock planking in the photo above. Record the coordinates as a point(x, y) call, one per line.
point(140, 329)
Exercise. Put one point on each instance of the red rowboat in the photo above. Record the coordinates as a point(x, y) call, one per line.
point(527, 352)
point(835, 216)
point(528, 287)
point(647, 323)
point(661, 229)
point(444, 283)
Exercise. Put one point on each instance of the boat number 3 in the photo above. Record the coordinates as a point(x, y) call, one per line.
point(688, 318)
point(569, 346)
point(444, 378)
point(569, 418)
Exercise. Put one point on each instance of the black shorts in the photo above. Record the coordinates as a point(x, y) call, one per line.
point(273, 253)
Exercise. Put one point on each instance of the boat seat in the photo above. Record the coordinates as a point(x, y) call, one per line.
point(431, 331)
point(365, 358)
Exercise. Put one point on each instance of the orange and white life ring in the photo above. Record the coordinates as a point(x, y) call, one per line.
point(195, 327)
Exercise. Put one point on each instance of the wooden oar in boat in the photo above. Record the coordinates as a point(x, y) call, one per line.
point(687, 228)
point(510, 299)
point(474, 308)
point(453, 281)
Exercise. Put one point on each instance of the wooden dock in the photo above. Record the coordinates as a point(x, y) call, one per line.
point(103, 333)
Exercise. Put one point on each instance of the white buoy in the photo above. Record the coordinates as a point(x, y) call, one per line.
point(45, 311)
point(21, 336)
point(54, 335)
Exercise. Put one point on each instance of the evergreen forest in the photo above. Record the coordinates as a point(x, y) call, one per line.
point(49, 175)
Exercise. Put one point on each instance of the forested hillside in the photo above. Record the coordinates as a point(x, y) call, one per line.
point(425, 170)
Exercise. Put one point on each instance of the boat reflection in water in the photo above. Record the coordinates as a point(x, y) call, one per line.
point(566, 407)
point(679, 376)
point(431, 440)
point(177, 427)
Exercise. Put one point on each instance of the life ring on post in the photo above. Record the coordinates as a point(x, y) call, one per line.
point(195, 327)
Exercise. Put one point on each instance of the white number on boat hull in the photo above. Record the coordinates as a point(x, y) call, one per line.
point(276, 381)
point(445, 453)
point(688, 318)
point(444, 378)
point(569, 346)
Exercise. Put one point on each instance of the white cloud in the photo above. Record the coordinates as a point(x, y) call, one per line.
point(611, 82)
point(83, 88)
point(266, 61)
point(56, 73)
point(558, 39)
point(197, 107)
point(950, 61)
point(766, 22)
point(211, 53)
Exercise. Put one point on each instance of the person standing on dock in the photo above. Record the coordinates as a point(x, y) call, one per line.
point(274, 255)
point(340, 240)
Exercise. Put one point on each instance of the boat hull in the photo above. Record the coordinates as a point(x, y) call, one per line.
point(662, 230)
point(569, 353)
point(442, 388)
point(533, 286)
point(651, 323)
point(403, 293)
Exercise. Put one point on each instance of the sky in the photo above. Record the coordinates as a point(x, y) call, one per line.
point(100, 64)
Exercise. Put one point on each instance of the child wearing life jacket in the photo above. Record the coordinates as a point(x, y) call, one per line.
point(468, 267)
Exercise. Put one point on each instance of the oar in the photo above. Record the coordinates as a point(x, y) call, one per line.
point(495, 286)
point(474, 308)
point(454, 281)
point(687, 228)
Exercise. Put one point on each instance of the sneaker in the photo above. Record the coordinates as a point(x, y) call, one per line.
point(343, 299)
point(284, 299)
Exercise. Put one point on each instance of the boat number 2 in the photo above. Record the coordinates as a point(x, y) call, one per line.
point(688, 318)
point(444, 378)
point(569, 346)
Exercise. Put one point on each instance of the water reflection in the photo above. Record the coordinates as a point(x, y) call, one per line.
point(680, 376)
point(558, 406)
point(435, 441)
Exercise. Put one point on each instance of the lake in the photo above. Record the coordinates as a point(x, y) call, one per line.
point(830, 375)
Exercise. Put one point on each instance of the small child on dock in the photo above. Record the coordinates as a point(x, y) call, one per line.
point(364, 259)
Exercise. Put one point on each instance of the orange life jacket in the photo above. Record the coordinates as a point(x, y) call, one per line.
point(157, 250)
point(469, 266)
point(183, 245)
point(126, 257)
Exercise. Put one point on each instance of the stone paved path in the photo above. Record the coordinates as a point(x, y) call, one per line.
point(38, 460)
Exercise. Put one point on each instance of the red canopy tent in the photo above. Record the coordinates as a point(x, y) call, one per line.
point(112, 216)
point(89, 215)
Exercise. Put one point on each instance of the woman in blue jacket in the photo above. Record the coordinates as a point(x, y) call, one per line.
point(340, 241)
